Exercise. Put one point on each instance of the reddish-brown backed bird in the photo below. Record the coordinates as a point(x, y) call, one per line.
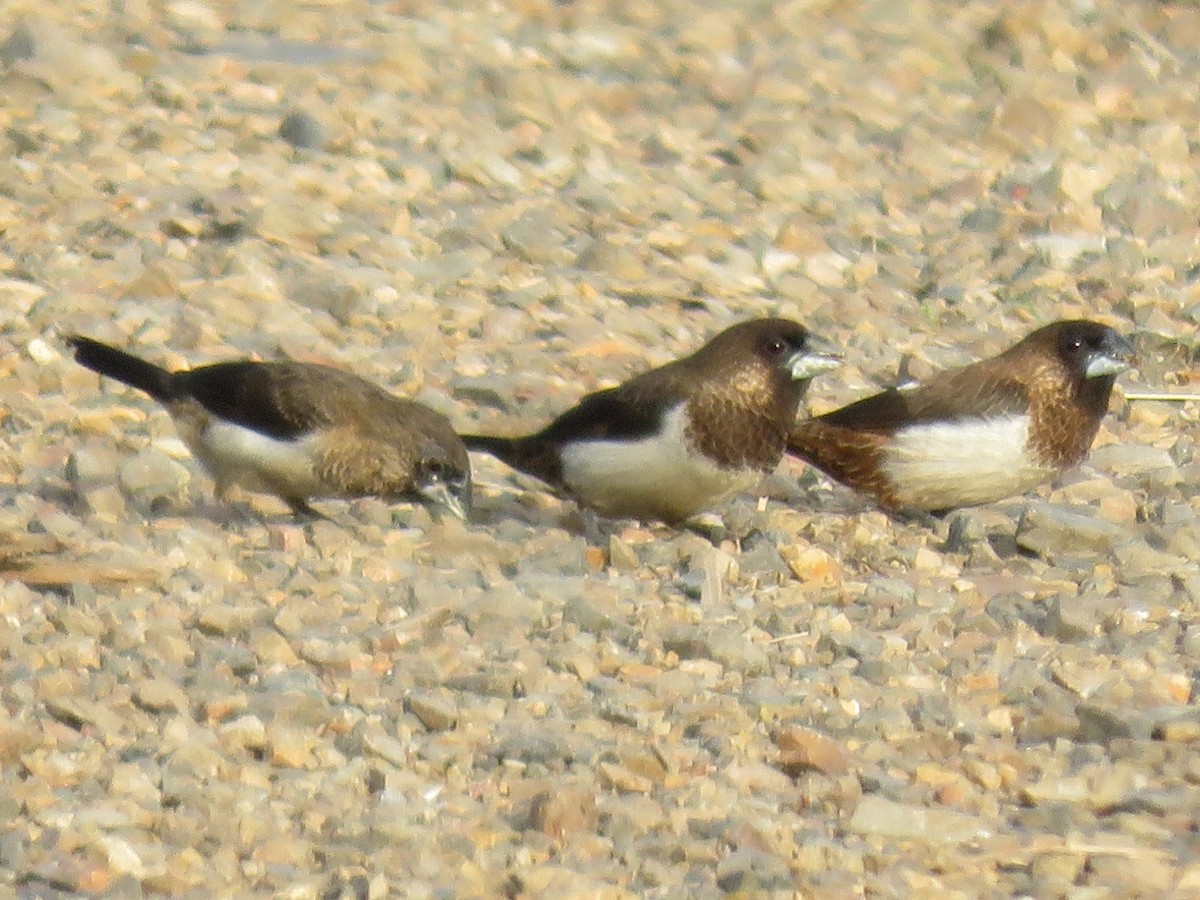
point(975, 434)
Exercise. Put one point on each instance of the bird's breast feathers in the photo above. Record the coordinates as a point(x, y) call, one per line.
point(938, 465)
point(661, 476)
point(240, 455)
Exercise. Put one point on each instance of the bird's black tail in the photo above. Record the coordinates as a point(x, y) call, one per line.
point(531, 455)
point(504, 449)
point(125, 367)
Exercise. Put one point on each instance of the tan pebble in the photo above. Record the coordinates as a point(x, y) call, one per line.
point(154, 281)
point(1189, 880)
point(621, 555)
point(1086, 491)
point(811, 565)
point(1057, 790)
point(1151, 413)
point(121, 856)
point(595, 559)
point(279, 850)
point(954, 794)
point(1176, 686)
point(1058, 867)
point(934, 776)
point(286, 538)
point(981, 681)
point(288, 748)
point(1001, 719)
point(109, 420)
point(840, 624)
point(245, 732)
point(983, 774)
point(272, 647)
point(927, 560)
point(647, 762)
point(565, 810)
point(436, 713)
point(41, 352)
point(582, 667)
point(160, 695)
point(1119, 507)
point(1178, 732)
point(640, 673)
point(95, 879)
point(221, 708)
point(802, 749)
point(623, 779)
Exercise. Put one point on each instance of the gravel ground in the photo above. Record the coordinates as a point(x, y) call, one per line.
point(495, 209)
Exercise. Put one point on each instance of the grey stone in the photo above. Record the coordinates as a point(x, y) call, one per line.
point(1054, 531)
point(534, 746)
point(591, 617)
point(727, 645)
point(752, 872)
point(1073, 617)
point(437, 712)
point(1135, 459)
point(93, 464)
point(1102, 723)
point(877, 815)
point(302, 130)
point(20, 44)
point(1136, 560)
point(150, 474)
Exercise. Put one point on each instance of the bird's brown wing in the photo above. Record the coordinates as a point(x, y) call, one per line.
point(948, 397)
point(281, 400)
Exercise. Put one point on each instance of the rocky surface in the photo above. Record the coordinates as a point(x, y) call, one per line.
point(495, 208)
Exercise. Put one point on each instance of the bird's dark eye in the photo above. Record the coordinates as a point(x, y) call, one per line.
point(776, 346)
point(434, 468)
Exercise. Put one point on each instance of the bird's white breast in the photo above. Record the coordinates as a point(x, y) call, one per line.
point(240, 455)
point(662, 476)
point(963, 463)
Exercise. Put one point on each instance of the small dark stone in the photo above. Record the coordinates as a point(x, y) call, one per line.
point(752, 872)
point(17, 46)
point(1103, 724)
point(301, 130)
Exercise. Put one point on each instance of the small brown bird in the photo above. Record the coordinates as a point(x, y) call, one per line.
point(975, 434)
point(678, 439)
point(300, 431)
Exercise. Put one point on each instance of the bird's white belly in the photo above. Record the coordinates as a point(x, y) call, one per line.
point(661, 477)
point(964, 463)
point(238, 455)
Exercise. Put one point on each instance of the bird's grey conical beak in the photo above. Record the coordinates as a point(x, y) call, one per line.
point(1114, 356)
point(443, 495)
point(819, 355)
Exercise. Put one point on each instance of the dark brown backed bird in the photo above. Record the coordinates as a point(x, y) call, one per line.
point(975, 434)
point(300, 431)
point(676, 440)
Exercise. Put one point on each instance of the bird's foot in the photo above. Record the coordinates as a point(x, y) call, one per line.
point(303, 512)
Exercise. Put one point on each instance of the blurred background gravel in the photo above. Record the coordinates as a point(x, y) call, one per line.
point(495, 209)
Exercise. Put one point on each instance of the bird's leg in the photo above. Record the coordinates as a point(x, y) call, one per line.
point(303, 512)
point(590, 524)
point(233, 509)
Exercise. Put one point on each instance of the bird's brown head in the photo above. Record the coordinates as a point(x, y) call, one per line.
point(773, 355)
point(1086, 349)
point(1086, 354)
point(1091, 350)
point(443, 478)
